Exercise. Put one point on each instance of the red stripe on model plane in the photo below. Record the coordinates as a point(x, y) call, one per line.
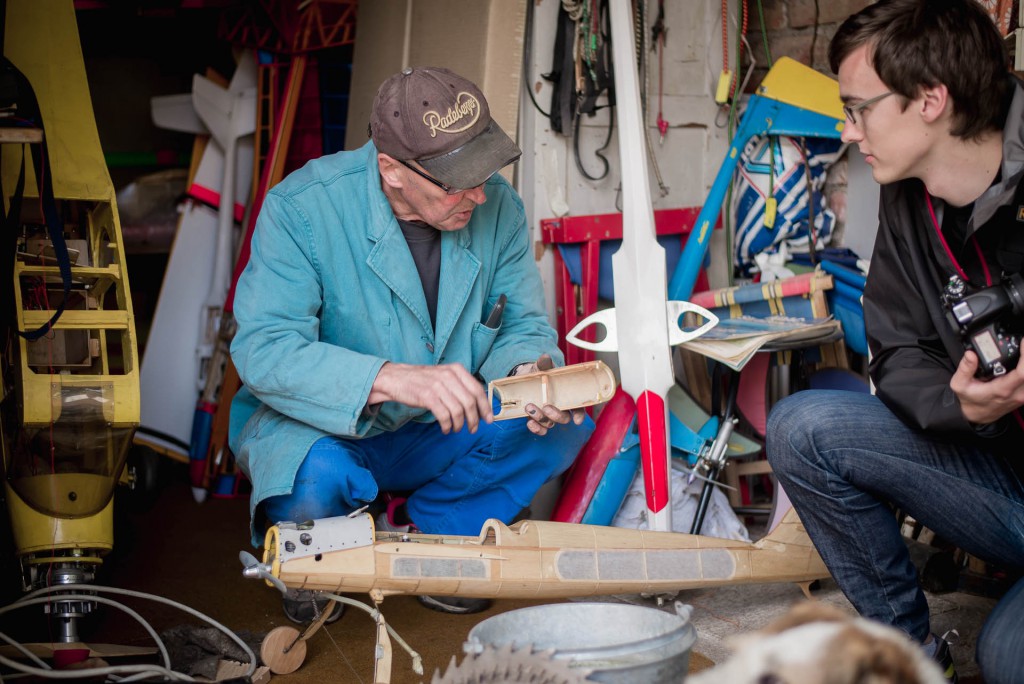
point(653, 449)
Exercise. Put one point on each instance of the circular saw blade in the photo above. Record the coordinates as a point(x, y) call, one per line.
point(506, 665)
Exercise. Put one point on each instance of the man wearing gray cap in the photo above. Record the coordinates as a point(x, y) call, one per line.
point(386, 285)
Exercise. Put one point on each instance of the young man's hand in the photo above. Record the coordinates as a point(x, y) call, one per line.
point(454, 396)
point(986, 401)
point(544, 418)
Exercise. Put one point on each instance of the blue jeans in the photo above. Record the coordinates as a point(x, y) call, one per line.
point(458, 480)
point(844, 460)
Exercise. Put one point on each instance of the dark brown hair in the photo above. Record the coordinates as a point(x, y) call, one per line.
point(916, 44)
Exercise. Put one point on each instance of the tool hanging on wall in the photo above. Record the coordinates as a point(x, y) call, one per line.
point(581, 74)
point(658, 34)
point(642, 56)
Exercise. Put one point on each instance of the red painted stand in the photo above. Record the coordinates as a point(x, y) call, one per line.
point(590, 231)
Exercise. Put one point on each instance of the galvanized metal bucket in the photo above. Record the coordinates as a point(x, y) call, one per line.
point(614, 643)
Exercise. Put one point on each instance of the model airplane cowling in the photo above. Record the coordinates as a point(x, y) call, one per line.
point(531, 559)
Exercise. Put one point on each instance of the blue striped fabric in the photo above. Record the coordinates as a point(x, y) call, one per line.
point(789, 187)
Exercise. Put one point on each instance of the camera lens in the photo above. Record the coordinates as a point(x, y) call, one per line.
point(1014, 286)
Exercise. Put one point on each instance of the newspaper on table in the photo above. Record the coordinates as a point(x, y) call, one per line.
point(734, 341)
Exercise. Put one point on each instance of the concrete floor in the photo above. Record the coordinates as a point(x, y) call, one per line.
point(722, 612)
point(172, 547)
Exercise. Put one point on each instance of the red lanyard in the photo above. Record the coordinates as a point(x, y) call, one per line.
point(949, 252)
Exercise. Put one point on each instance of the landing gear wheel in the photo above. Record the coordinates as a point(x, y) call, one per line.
point(505, 666)
point(150, 469)
point(273, 654)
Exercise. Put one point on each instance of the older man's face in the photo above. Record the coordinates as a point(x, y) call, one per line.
point(427, 202)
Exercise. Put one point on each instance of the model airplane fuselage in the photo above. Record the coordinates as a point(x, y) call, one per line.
point(530, 559)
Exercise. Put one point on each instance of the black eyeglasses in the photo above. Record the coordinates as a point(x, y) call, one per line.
point(449, 190)
point(851, 110)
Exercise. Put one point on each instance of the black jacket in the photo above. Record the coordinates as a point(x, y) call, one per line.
point(915, 351)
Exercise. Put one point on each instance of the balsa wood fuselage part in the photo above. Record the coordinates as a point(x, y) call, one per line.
point(530, 559)
point(569, 387)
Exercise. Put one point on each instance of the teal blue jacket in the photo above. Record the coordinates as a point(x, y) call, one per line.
point(331, 293)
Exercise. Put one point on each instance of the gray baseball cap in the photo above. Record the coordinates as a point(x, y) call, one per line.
point(440, 120)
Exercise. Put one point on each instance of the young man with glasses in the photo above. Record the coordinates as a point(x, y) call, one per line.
point(931, 104)
point(369, 322)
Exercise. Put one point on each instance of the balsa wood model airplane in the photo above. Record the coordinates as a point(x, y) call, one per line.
point(529, 559)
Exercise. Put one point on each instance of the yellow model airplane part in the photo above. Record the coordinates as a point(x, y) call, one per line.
point(72, 401)
point(569, 387)
point(39, 36)
point(794, 83)
point(531, 559)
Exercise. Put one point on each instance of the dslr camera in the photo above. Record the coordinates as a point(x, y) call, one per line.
point(988, 320)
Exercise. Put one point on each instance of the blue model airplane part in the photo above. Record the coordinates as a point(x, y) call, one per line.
point(709, 429)
point(620, 471)
point(683, 438)
point(612, 489)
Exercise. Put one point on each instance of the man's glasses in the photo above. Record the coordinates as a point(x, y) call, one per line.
point(449, 190)
point(851, 110)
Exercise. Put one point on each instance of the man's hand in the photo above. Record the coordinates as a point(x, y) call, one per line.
point(544, 418)
point(454, 396)
point(985, 401)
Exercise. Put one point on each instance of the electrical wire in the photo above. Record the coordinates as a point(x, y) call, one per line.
point(640, 22)
point(814, 34)
point(21, 648)
point(812, 230)
point(587, 35)
point(764, 36)
point(527, 52)
point(48, 672)
point(343, 656)
point(574, 8)
point(658, 32)
point(39, 600)
point(63, 592)
point(149, 670)
point(598, 151)
point(417, 659)
point(750, 71)
point(741, 41)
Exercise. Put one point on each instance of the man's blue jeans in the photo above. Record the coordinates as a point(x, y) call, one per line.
point(845, 460)
point(458, 480)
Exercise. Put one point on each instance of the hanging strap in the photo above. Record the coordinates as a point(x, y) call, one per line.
point(563, 99)
point(28, 114)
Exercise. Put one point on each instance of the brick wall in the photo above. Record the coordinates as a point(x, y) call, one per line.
point(794, 26)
